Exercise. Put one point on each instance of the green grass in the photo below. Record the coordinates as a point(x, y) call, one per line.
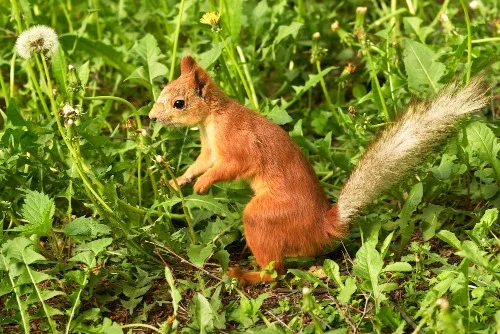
point(94, 240)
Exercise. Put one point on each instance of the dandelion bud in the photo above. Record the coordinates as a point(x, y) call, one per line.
point(474, 4)
point(316, 35)
point(360, 10)
point(37, 39)
point(443, 303)
point(71, 68)
point(335, 26)
point(159, 159)
point(443, 17)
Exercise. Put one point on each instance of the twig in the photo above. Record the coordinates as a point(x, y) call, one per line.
point(367, 298)
point(184, 260)
point(407, 318)
point(280, 321)
point(344, 315)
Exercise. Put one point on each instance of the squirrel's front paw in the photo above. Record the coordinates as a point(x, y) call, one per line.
point(181, 181)
point(201, 186)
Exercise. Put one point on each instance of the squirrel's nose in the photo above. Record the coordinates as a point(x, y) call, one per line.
point(155, 111)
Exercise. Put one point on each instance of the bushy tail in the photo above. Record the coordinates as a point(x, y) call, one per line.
point(405, 144)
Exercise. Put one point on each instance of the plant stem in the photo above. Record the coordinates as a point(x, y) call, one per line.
point(248, 77)
point(140, 141)
point(469, 41)
point(5, 93)
point(38, 90)
point(98, 26)
point(375, 80)
point(176, 40)
point(486, 40)
point(184, 207)
point(240, 74)
point(11, 79)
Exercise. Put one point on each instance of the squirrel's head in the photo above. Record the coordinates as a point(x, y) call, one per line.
point(184, 101)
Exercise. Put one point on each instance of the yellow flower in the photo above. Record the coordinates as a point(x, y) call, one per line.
point(210, 18)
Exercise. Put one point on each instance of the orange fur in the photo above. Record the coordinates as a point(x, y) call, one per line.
point(289, 214)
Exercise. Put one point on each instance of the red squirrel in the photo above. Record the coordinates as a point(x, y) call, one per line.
point(289, 214)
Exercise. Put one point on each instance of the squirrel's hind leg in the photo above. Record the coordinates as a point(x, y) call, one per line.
point(263, 226)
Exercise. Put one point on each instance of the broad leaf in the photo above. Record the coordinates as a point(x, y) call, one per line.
point(423, 70)
point(485, 144)
point(38, 209)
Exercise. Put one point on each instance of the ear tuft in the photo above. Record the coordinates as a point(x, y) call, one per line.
point(188, 64)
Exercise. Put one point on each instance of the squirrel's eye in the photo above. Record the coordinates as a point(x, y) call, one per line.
point(179, 104)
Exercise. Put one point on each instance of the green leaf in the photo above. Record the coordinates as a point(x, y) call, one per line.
point(207, 202)
point(398, 266)
point(176, 295)
point(385, 245)
point(412, 25)
point(99, 49)
point(199, 253)
point(450, 238)
point(278, 115)
point(223, 257)
point(14, 116)
point(98, 246)
point(485, 144)
point(348, 290)
point(289, 30)
point(311, 82)
point(234, 12)
point(368, 264)
point(86, 257)
point(149, 54)
point(206, 59)
point(38, 209)
point(422, 68)
point(85, 227)
point(83, 73)
point(59, 69)
point(430, 221)
point(332, 270)
point(405, 223)
point(204, 314)
point(471, 251)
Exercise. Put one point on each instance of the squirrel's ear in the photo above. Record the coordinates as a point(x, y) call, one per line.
point(201, 81)
point(188, 64)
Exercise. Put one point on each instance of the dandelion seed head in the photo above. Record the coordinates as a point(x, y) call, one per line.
point(37, 39)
